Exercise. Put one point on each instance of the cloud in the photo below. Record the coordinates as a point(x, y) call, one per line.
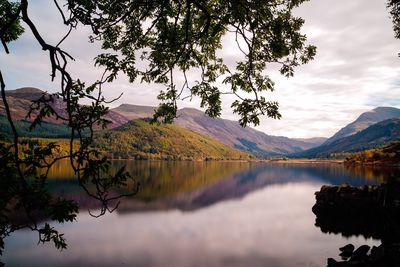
point(356, 67)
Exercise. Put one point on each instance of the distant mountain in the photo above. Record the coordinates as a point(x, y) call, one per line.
point(231, 133)
point(364, 121)
point(20, 100)
point(314, 141)
point(25, 92)
point(134, 112)
point(226, 131)
point(373, 136)
point(140, 140)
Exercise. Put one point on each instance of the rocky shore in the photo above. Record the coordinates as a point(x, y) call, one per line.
point(370, 211)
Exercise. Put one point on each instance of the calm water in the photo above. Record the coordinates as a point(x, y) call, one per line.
point(200, 214)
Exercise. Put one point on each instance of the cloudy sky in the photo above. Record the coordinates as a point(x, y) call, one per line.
point(356, 68)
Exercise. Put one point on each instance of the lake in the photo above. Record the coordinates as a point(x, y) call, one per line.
point(189, 214)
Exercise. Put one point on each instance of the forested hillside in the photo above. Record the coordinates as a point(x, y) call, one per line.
point(141, 140)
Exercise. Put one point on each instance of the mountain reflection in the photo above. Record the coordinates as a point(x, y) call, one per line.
point(192, 185)
point(201, 214)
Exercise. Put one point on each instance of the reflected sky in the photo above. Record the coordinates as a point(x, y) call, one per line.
point(193, 185)
point(255, 215)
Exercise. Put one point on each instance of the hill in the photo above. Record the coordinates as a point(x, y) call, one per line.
point(365, 120)
point(137, 139)
point(45, 130)
point(376, 135)
point(386, 155)
point(226, 131)
point(20, 100)
point(141, 140)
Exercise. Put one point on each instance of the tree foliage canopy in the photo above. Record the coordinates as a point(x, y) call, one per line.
point(174, 37)
point(394, 10)
point(154, 41)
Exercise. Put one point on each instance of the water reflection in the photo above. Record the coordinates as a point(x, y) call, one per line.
point(201, 214)
point(193, 185)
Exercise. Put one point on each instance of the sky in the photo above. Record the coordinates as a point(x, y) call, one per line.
point(356, 69)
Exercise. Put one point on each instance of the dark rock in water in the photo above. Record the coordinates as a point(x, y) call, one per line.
point(360, 253)
point(332, 262)
point(346, 198)
point(371, 211)
point(345, 255)
point(386, 255)
point(377, 253)
point(348, 248)
point(346, 251)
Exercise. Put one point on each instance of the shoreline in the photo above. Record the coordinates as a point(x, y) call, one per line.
point(277, 161)
point(373, 163)
point(306, 161)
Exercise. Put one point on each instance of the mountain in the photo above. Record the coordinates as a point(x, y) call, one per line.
point(226, 131)
point(314, 141)
point(231, 133)
point(373, 136)
point(20, 100)
point(134, 112)
point(364, 121)
point(142, 140)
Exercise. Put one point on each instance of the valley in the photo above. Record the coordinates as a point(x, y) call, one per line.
point(195, 136)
